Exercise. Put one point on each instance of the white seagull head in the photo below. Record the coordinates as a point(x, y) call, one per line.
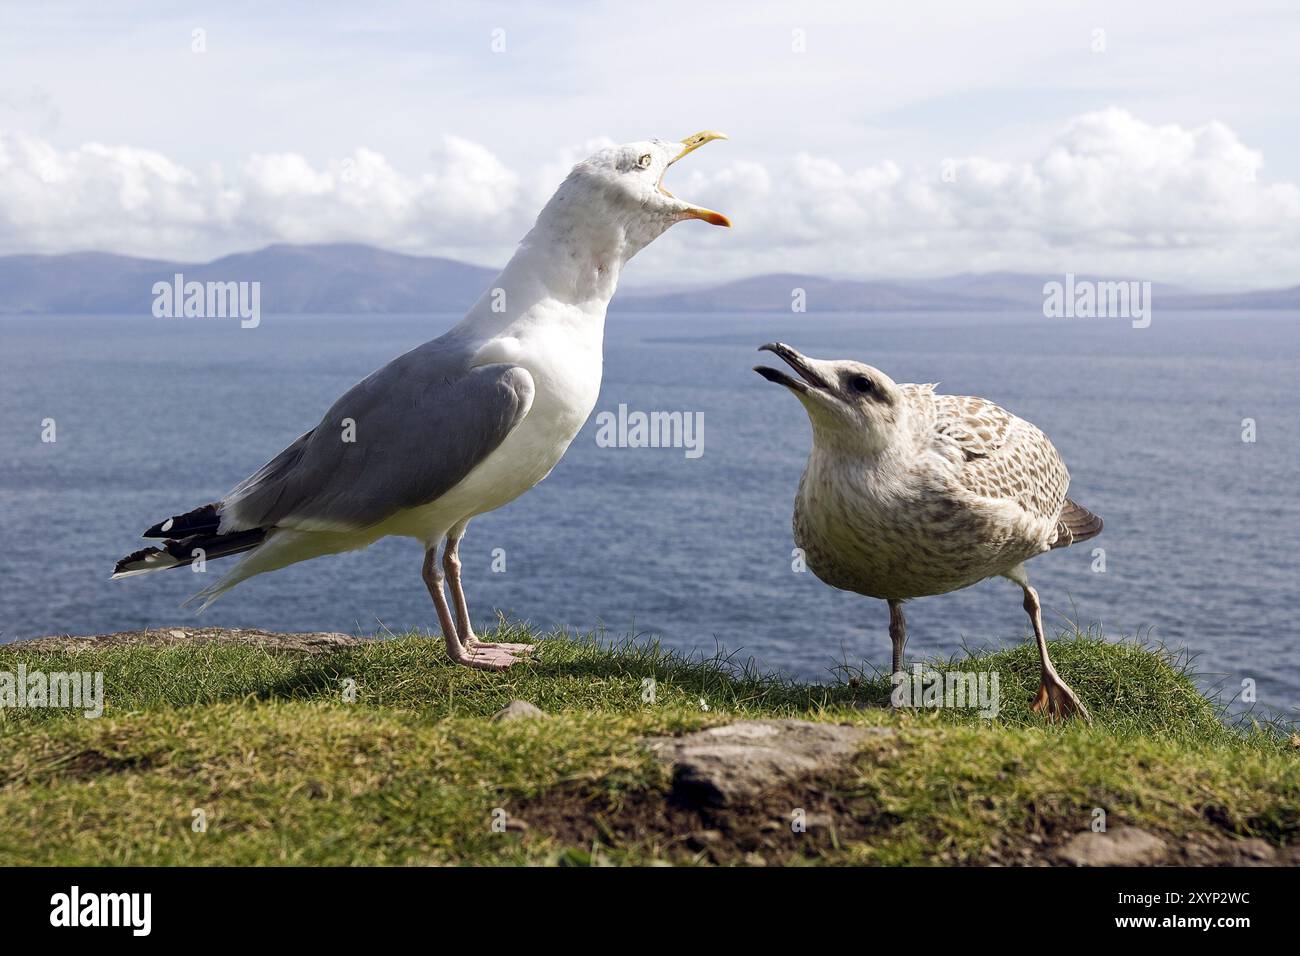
point(620, 190)
point(852, 406)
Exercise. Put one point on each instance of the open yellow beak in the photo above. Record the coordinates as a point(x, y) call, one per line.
point(690, 144)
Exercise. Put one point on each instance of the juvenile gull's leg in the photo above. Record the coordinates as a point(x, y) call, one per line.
point(482, 657)
point(897, 632)
point(451, 563)
point(1054, 695)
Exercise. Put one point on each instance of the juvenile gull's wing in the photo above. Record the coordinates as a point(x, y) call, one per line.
point(1005, 458)
point(976, 426)
point(400, 438)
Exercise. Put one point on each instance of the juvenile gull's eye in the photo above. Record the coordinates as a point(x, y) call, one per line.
point(644, 161)
point(861, 383)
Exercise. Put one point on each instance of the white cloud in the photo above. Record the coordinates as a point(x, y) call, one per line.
point(467, 199)
point(133, 201)
point(98, 197)
point(1109, 193)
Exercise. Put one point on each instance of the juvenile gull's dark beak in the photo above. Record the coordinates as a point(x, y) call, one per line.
point(798, 362)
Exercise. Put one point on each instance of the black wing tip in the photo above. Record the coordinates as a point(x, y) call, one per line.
point(140, 561)
point(203, 520)
point(179, 553)
point(131, 558)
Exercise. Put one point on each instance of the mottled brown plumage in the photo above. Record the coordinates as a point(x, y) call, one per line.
point(909, 493)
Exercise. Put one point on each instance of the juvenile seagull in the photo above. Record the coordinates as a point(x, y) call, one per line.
point(460, 425)
point(908, 493)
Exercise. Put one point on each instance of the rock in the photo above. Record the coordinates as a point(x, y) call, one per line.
point(733, 764)
point(315, 642)
point(1255, 850)
point(1122, 846)
point(518, 710)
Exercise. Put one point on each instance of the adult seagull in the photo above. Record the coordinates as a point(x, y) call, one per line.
point(460, 425)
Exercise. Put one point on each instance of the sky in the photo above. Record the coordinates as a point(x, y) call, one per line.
point(1144, 140)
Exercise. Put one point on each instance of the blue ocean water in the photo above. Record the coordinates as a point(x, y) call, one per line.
point(157, 416)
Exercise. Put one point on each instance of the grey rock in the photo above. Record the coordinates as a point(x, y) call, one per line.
point(1122, 846)
point(722, 766)
point(518, 710)
point(1256, 850)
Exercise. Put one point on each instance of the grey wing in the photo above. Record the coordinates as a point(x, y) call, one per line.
point(1005, 458)
point(398, 439)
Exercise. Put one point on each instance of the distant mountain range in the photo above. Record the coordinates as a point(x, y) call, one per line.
point(986, 292)
point(329, 278)
point(363, 279)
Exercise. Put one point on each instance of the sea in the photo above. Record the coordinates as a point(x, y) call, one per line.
point(1184, 436)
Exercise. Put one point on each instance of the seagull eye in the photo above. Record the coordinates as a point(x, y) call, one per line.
point(644, 161)
point(861, 383)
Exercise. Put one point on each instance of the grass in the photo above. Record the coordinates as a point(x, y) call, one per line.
point(286, 768)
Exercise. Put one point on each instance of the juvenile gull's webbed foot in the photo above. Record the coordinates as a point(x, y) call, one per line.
point(1058, 701)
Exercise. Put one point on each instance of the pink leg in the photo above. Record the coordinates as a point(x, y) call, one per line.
point(451, 562)
point(482, 657)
